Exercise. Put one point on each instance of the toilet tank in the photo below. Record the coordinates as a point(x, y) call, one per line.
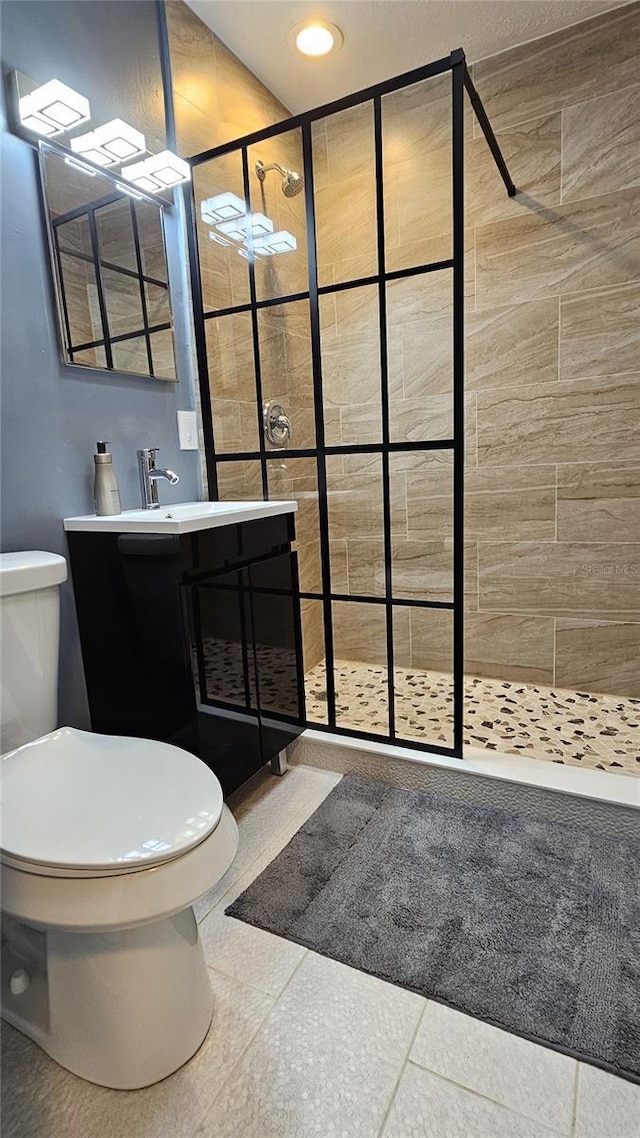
point(29, 636)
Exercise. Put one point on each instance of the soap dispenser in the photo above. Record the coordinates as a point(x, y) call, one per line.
point(106, 495)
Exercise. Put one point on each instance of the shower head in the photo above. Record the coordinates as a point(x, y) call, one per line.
point(292, 182)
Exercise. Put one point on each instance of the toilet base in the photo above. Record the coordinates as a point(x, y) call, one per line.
point(122, 1009)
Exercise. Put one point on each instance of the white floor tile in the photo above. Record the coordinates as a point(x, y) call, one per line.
point(521, 1075)
point(324, 1063)
point(426, 1106)
point(250, 955)
point(607, 1107)
point(275, 806)
point(44, 1101)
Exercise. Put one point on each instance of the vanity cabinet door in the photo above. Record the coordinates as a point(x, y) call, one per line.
point(219, 623)
point(275, 608)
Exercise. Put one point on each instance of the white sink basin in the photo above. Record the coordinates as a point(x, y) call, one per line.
point(183, 517)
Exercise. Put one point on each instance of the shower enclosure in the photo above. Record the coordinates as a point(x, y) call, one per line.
point(329, 280)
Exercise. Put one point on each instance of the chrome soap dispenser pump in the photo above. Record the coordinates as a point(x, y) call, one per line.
point(106, 495)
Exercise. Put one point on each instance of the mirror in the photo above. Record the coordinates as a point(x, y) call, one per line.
point(110, 271)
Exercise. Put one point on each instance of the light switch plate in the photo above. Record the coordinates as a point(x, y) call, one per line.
point(187, 430)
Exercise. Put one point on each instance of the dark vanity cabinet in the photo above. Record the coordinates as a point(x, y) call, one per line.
point(194, 639)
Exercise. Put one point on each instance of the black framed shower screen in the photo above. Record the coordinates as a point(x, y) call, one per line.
point(387, 447)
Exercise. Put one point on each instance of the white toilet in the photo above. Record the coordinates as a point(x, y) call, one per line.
point(106, 843)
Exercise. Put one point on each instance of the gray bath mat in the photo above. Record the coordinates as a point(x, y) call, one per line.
point(526, 923)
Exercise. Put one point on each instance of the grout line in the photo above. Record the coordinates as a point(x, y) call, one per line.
point(403, 1068)
point(574, 1110)
point(485, 1098)
point(255, 1034)
point(561, 155)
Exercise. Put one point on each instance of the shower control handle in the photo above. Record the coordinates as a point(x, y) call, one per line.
point(277, 428)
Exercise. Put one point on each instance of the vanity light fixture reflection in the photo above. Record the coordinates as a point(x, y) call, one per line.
point(280, 242)
point(222, 207)
point(158, 172)
point(115, 141)
point(237, 229)
point(53, 108)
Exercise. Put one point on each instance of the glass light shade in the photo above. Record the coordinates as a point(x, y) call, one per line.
point(315, 40)
point(139, 176)
point(54, 106)
point(119, 140)
point(168, 169)
point(222, 207)
point(87, 145)
point(39, 125)
point(158, 172)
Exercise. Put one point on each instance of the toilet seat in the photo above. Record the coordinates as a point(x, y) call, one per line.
point(79, 804)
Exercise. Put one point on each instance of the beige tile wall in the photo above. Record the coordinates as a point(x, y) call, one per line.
point(553, 354)
point(552, 571)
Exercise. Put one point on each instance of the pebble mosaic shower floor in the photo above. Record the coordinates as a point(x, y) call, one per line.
point(599, 732)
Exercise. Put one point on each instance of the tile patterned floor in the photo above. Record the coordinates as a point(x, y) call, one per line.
point(599, 732)
point(304, 1047)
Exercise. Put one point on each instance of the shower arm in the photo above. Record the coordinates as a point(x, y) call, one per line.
point(261, 169)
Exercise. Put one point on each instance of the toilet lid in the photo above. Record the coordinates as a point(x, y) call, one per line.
point(77, 800)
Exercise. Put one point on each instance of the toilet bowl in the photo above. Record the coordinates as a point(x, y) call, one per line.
point(106, 844)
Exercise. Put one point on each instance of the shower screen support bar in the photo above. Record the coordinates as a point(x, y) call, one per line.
point(487, 130)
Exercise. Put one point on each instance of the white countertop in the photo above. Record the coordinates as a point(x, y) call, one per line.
point(183, 517)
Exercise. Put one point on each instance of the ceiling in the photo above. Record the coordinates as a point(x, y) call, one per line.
point(382, 38)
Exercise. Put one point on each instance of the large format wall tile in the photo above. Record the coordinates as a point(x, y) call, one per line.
point(598, 503)
point(507, 347)
point(598, 656)
point(532, 152)
point(601, 144)
point(575, 421)
point(519, 503)
point(579, 245)
point(511, 647)
point(560, 579)
point(568, 67)
point(600, 332)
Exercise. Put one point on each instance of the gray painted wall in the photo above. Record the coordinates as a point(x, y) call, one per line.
point(52, 414)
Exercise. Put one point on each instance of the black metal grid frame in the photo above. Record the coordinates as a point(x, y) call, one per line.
point(99, 263)
point(460, 81)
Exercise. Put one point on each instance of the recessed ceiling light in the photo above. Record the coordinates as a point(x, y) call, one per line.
point(316, 38)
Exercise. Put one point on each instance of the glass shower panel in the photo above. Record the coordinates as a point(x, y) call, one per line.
point(360, 666)
point(345, 195)
point(232, 382)
point(417, 173)
point(296, 479)
point(420, 357)
point(356, 528)
point(350, 343)
point(315, 668)
point(285, 364)
point(240, 480)
point(422, 525)
point(278, 208)
point(423, 674)
point(220, 211)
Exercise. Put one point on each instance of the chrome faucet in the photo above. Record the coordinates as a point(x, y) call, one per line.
point(149, 475)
